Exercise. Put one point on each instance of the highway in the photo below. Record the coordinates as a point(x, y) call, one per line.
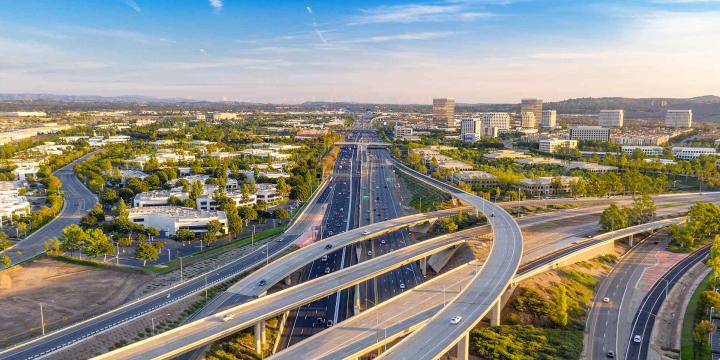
point(78, 201)
point(200, 332)
point(644, 320)
point(483, 291)
point(58, 340)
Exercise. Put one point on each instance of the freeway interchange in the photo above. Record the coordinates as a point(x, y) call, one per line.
point(364, 227)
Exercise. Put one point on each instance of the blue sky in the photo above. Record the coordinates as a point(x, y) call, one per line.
point(375, 51)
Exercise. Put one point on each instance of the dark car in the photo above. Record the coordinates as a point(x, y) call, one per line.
point(262, 283)
point(611, 354)
point(328, 246)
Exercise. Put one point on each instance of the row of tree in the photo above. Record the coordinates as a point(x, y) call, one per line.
point(616, 218)
point(702, 225)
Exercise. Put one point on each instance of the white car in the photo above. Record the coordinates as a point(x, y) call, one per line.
point(228, 317)
point(606, 300)
point(366, 232)
point(382, 241)
point(402, 286)
point(369, 252)
point(329, 323)
point(637, 339)
point(455, 320)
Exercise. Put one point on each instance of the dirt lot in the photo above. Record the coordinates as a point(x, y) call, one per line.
point(69, 293)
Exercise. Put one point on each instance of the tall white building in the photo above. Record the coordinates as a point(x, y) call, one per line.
point(527, 120)
point(471, 129)
point(590, 133)
point(678, 118)
point(611, 118)
point(549, 119)
point(499, 120)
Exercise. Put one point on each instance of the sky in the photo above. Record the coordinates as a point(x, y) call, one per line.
point(477, 51)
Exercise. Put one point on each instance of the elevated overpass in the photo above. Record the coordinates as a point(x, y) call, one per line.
point(401, 315)
point(254, 313)
point(480, 296)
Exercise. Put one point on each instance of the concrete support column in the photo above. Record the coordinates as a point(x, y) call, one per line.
point(463, 347)
point(259, 336)
point(357, 299)
point(358, 251)
point(495, 314)
point(631, 239)
point(288, 280)
point(423, 266)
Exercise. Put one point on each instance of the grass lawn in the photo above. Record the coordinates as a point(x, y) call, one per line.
point(687, 344)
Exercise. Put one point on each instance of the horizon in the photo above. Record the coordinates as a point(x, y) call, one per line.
point(378, 52)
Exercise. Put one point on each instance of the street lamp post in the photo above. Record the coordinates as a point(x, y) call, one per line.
point(42, 319)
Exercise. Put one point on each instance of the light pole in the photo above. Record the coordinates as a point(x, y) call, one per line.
point(267, 253)
point(168, 255)
point(206, 288)
point(252, 238)
point(42, 319)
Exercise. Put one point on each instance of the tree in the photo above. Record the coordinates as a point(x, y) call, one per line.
point(109, 197)
point(613, 218)
point(185, 235)
point(196, 190)
point(52, 246)
point(710, 299)
point(74, 238)
point(702, 331)
point(98, 244)
point(4, 242)
point(282, 187)
point(22, 227)
point(146, 252)
point(280, 213)
point(5, 260)
point(560, 314)
point(300, 192)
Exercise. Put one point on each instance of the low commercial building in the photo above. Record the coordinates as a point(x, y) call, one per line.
point(547, 185)
point(474, 177)
point(570, 165)
point(651, 140)
point(454, 165)
point(648, 150)
point(207, 201)
point(689, 153)
point(506, 154)
point(527, 120)
point(267, 193)
point(13, 205)
point(403, 132)
point(265, 153)
point(169, 219)
point(553, 145)
point(158, 198)
point(589, 133)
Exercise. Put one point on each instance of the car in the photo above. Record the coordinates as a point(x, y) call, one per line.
point(637, 339)
point(327, 270)
point(369, 252)
point(330, 232)
point(386, 219)
point(611, 354)
point(329, 323)
point(402, 286)
point(383, 241)
point(456, 320)
point(228, 317)
point(589, 236)
point(328, 246)
point(262, 283)
point(324, 258)
point(492, 215)
point(366, 232)
point(606, 300)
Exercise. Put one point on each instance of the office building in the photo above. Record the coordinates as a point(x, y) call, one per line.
point(533, 106)
point(403, 132)
point(169, 219)
point(611, 118)
point(499, 120)
point(158, 198)
point(552, 145)
point(207, 201)
point(474, 177)
point(648, 150)
point(549, 119)
point(444, 112)
point(678, 118)
point(589, 133)
point(689, 153)
point(527, 120)
point(471, 129)
point(547, 185)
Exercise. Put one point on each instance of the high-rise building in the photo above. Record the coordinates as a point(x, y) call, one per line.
point(499, 120)
point(590, 133)
point(611, 118)
point(678, 118)
point(444, 111)
point(532, 105)
point(471, 129)
point(527, 120)
point(549, 119)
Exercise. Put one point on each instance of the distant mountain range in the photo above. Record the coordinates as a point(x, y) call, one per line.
point(705, 108)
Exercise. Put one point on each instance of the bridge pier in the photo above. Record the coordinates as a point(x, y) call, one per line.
point(495, 313)
point(288, 280)
point(259, 336)
point(463, 347)
point(357, 299)
point(423, 266)
point(631, 239)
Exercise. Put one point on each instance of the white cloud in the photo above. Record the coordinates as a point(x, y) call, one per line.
point(309, 10)
point(400, 37)
point(409, 13)
point(203, 51)
point(133, 5)
point(119, 34)
point(217, 5)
